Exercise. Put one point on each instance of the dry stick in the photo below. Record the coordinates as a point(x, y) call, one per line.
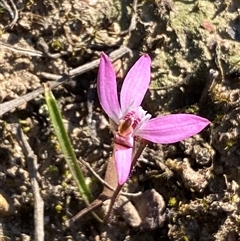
point(31, 52)
point(21, 50)
point(59, 79)
point(14, 21)
point(12, 11)
point(126, 194)
point(133, 22)
point(32, 166)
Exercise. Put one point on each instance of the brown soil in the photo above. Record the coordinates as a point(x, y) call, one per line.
point(192, 187)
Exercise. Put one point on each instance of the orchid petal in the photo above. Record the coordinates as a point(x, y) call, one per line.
point(171, 128)
point(123, 162)
point(136, 84)
point(107, 89)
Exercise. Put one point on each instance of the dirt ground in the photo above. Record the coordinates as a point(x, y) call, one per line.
point(191, 188)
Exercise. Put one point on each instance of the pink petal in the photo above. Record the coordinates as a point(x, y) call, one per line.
point(107, 89)
point(171, 128)
point(123, 162)
point(136, 83)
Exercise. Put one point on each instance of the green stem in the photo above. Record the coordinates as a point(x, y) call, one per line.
point(65, 145)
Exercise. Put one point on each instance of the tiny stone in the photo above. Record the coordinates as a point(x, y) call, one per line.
point(5, 204)
point(151, 207)
point(12, 171)
point(25, 237)
point(128, 212)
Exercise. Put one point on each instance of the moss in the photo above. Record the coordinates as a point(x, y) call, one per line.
point(230, 143)
point(58, 208)
point(56, 45)
point(52, 168)
point(172, 202)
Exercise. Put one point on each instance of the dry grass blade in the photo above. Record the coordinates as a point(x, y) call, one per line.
point(12, 11)
point(21, 50)
point(32, 165)
point(59, 79)
point(127, 194)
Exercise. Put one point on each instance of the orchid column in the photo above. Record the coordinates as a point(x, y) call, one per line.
point(132, 120)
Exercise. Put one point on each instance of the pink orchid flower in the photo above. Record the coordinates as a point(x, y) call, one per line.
point(132, 120)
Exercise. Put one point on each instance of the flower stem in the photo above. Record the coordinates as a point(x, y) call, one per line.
point(139, 151)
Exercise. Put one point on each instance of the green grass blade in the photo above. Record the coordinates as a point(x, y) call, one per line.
point(65, 145)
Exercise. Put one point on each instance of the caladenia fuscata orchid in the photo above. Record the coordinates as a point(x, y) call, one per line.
point(131, 120)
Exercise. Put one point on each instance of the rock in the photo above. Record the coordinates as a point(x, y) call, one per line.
point(151, 207)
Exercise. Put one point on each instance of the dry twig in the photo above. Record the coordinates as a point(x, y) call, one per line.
point(127, 194)
point(59, 79)
point(21, 50)
point(32, 166)
point(133, 22)
point(12, 11)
